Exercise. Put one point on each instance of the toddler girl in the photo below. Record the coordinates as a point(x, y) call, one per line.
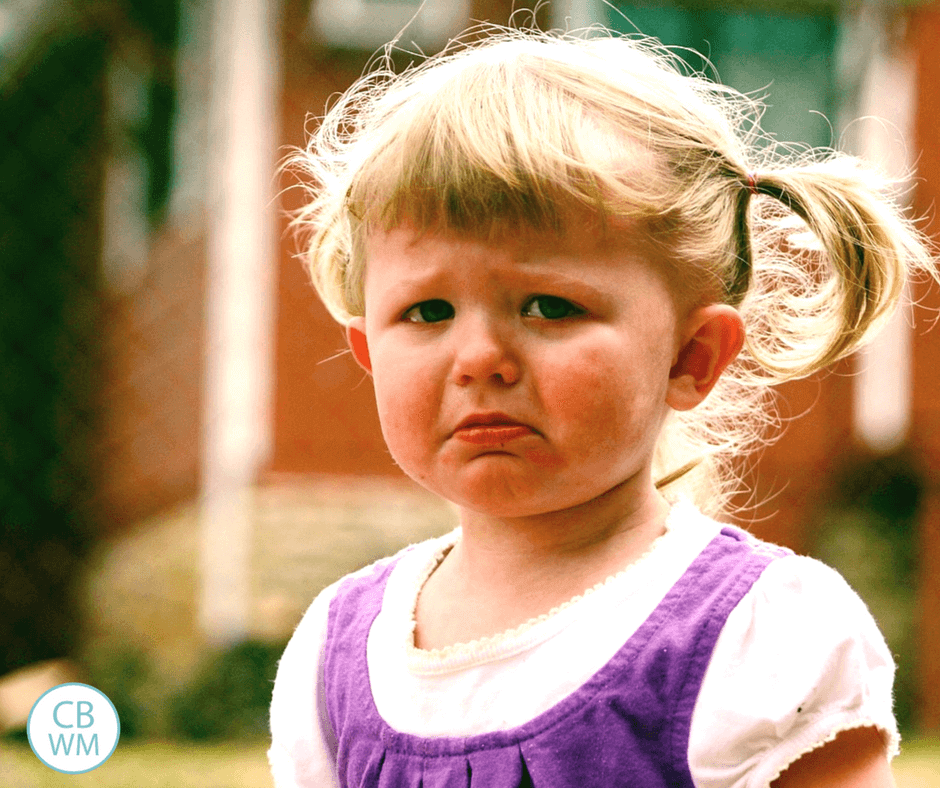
point(572, 271)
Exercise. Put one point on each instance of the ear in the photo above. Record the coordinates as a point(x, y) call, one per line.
point(356, 337)
point(711, 340)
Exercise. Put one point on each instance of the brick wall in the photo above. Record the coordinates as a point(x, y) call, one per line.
point(152, 386)
point(925, 37)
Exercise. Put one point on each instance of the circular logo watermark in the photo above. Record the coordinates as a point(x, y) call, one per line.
point(73, 728)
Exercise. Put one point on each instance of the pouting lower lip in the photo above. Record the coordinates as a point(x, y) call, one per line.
point(492, 434)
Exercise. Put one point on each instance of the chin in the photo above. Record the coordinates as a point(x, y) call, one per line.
point(495, 500)
point(493, 497)
point(500, 490)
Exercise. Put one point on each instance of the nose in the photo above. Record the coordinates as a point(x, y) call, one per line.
point(484, 352)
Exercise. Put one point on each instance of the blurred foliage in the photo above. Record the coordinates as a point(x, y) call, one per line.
point(159, 23)
point(783, 53)
point(123, 676)
point(51, 143)
point(16, 735)
point(230, 696)
point(870, 534)
point(53, 149)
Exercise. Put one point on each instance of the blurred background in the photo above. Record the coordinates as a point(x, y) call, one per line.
point(187, 456)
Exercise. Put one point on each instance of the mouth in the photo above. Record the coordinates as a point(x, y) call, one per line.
point(491, 429)
point(489, 420)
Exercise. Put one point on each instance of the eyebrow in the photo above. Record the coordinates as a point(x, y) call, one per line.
point(418, 280)
point(537, 273)
point(552, 278)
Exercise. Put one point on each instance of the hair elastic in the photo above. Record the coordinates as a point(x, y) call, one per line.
point(752, 182)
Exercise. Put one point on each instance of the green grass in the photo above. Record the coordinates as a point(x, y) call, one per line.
point(231, 765)
point(918, 765)
point(147, 765)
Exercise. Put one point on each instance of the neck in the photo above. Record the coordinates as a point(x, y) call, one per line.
point(583, 544)
point(505, 571)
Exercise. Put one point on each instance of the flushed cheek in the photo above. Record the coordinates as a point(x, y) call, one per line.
point(598, 408)
point(584, 420)
point(408, 406)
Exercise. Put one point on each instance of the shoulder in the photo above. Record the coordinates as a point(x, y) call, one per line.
point(303, 747)
point(808, 611)
point(302, 742)
point(801, 590)
point(799, 659)
point(296, 667)
point(310, 634)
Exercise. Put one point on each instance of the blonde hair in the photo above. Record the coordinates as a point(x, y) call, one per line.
point(516, 126)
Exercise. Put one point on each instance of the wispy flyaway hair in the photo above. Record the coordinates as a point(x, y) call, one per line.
point(520, 127)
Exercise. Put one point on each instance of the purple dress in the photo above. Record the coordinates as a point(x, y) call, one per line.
point(628, 725)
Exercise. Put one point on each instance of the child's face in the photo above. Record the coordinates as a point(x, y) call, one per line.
point(519, 377)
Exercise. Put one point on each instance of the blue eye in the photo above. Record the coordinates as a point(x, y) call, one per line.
point(432, 311)
point(550, 308)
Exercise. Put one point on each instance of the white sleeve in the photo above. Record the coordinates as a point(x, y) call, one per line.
point(303, 748)
point(799, 660)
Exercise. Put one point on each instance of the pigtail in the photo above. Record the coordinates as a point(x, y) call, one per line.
point(820, 291)
point(816, 259)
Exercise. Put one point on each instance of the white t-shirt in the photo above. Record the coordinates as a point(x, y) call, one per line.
point(799, 660)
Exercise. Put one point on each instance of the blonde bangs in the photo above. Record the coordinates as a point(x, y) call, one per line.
point(500, 160)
